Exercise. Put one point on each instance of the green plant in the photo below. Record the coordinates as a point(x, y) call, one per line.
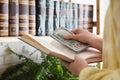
point(49, 69)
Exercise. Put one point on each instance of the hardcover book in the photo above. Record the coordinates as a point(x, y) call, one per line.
point(40, 17)
point(23, 17)
point(32, 17)
point(13, 18)
point(56, 14)
point(49, 17)
point(52, 47)
point(4, 13)
point(88, 17)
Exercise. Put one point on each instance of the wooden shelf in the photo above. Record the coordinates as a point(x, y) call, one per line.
point(9, 39)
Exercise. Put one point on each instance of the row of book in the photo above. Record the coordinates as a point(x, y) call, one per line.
point(42, 17)
point(17, 17)
point(51, 15)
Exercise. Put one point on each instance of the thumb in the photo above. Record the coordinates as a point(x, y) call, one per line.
point(77, 58)
point(70, 36)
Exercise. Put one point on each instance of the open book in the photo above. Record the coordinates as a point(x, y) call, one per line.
point(50, 46)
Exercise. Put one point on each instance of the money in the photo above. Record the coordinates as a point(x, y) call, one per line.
point(72, 44)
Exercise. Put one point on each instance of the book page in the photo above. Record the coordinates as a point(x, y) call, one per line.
point(58, 48)
point(50, 46)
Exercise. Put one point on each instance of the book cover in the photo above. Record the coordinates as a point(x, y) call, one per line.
point(23, 17)
point(4, 13)
point(51, 47)
point(40, 17)
point(32, 17)
point(13, 18)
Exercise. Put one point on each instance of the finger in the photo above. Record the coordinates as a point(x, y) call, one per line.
point(66, 64)
point(77, 30)
point(77, 58)
point(70, 36)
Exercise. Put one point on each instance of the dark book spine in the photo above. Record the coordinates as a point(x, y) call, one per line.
point(49, 17)
point(32, 17)
point(13, 18)
point(56, 15)
point(23, 17)
point(4, 13)
point(40, 17)
point(88, 17)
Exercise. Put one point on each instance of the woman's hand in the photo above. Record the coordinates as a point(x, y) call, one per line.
point(86, 37)
point(76, 66)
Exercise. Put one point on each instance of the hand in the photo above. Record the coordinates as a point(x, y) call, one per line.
point(86, 37)
point(76, 66)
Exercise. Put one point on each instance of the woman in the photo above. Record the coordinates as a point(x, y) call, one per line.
point(110, 49)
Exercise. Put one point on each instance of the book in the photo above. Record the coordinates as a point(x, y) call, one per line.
point(40, 17)
point(32, 17)
point(4, 12)
point(23, 17)
point(13, 18)
point(88, 17)
point(49, 17)
point(52, 47)
point(75, 15)
point(56, 14)
point(62, 14)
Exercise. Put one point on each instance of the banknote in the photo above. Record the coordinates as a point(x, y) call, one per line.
point(72, 44)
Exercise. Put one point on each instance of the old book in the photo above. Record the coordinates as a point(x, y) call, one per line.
point(32, 17)
point(13, 18)
point(51, 47)
point(70, 15)
point(88, 17)
point(80, 15)
point(75, 15)
point(4, 17)
point(56, 15)
point(62, 14)
point(49, 17)
point(23, 17)
point(40, 17)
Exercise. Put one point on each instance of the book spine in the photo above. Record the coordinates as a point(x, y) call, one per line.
point(75, 24)
point(23, 17)
point(32, 17)
point(88, 17)
point(40, 17)
point(66, 14)
point(70, 16)
point(62, 14)
point(13, 18)
point(80, 15)
point(4, 13)
point(49, 17)
point(56, 14)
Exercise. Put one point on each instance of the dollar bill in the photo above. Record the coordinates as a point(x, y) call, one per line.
point(72, 44)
